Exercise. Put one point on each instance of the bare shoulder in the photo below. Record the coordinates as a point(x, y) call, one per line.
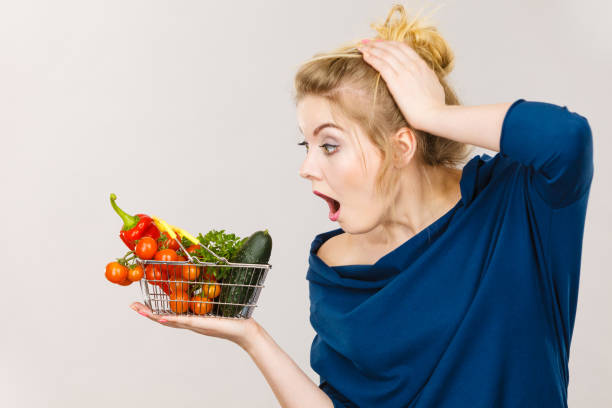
point(333, 251)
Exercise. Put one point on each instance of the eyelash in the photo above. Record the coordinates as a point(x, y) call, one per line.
point(304, 143)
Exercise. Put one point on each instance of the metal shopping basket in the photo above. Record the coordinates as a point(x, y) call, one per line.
point(234, 295)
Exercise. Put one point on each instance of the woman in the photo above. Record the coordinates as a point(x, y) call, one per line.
point(444, 287)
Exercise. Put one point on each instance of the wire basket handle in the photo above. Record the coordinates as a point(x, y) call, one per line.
point(221, 258)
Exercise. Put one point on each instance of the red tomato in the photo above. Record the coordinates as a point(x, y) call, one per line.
point(178, 286)
point(115, 272)
point(166, 255)
point(153, 273)
point(174, 271)
point(136, 273)
point(156, 276)
point(169, 243)
point(126, 282)
point(179, 302)
point(211, 291)
point(192, 249)
point(146, 248)
point(198, 306)
point(190, 272)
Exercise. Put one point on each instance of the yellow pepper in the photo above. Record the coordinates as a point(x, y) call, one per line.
point(187, 235)
point(172, 230)
point(163, 226)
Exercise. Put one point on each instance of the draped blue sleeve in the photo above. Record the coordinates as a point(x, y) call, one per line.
point(556, 143)
point(555, 149)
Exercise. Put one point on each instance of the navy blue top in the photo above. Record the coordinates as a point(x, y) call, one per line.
point(476, 310)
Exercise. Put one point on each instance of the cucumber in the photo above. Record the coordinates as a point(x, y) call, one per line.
point(255, 250)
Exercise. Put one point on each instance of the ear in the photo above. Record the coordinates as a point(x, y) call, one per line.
point(404, 147)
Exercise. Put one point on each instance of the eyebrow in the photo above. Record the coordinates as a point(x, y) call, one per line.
point(321, 127)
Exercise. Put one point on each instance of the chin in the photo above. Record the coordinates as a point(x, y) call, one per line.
point(357, 228)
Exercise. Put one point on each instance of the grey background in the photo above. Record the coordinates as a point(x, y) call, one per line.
point(183, 109)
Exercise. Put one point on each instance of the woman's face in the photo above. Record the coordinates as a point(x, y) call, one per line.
point(334, 165)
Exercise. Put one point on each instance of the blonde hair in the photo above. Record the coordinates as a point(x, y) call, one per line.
point(345, 80)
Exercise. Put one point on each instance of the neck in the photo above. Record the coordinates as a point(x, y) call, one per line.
point(423, 195)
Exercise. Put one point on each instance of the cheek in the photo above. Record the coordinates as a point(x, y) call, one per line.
point(353, 183)
point(345, 176)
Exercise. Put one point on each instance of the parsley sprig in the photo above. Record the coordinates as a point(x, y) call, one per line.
point(223, 244)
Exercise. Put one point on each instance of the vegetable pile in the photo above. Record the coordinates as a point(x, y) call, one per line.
point(190, 286)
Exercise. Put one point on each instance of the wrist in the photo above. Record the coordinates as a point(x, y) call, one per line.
point(428, 119)
point(253, 334)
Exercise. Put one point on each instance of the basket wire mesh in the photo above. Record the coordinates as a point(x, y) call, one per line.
point(234, 295)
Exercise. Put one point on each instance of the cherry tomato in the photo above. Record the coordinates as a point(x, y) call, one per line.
point(115, 272)
point(166, 255)
point(178, 286)
point(126, 282)
point(176, 280)
point(156, 276)
point(146, 248)
point(153, 273)
point(193, 249)
point(211, 291)
point(136, 273)
point(190, 272)
point(169, 243)
point(175, 270)
point(179, 302)
point(198, 306)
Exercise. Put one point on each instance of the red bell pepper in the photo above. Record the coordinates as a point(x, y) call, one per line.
point(134, 226)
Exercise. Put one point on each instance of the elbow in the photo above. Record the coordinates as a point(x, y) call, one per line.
point(583, 135)
point(576, 149)
point(576, 143)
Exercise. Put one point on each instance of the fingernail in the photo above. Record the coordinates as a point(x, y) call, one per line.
point(365, 40)
point(144, 314)
point(162, 320)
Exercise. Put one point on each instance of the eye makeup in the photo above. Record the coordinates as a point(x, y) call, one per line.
point(325, 147)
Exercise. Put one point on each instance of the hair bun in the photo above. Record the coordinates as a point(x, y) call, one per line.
point(423, 37)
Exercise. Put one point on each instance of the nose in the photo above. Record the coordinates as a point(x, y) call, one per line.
point(309, 170)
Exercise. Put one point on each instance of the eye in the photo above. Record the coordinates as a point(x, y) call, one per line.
point(326, 146)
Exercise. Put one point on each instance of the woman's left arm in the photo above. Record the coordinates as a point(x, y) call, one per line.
point(556, 143)
point(476, 125)
point(420, 97)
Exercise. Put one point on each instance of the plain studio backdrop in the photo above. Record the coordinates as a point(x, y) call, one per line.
point(183, 109)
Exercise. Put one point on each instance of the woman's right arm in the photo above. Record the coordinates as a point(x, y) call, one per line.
point(292, 387)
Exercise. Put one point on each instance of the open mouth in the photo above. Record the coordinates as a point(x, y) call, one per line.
point(334, 205)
